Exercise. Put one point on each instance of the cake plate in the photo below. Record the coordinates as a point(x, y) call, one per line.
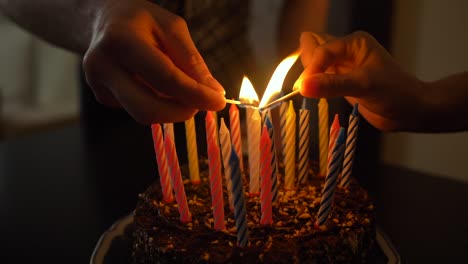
point(114, 245)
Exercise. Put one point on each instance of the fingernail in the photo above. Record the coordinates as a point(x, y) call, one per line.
point(213, 83)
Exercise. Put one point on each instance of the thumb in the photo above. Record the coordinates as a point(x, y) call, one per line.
point(331, 85)
point(180, 48)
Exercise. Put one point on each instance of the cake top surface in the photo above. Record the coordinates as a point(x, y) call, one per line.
point(293, 228)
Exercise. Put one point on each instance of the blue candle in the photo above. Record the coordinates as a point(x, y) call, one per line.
point(334, 168)
point(350, 147)
point(304, 138)
point(237, 189)
point(274, 163)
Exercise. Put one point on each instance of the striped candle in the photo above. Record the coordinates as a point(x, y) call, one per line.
point(254, 151)
point(240, 213)
point(350, 147)
point(334, 129)
point(265, 177)
point(290, 148)
point(274, 161)
point(224, 140)
point(303, 147)
point(236, 138)
point(164, 177)
point(334, 167)
point(169, 129)
point(192, 150)
point(283, 113)
point(176, 177)
point(323, 136)
point(214, 161)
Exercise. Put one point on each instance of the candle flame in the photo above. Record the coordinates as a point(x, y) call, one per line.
point(247, 92)
point(276, 82)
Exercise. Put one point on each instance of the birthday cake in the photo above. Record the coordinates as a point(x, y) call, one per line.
point(348, 235)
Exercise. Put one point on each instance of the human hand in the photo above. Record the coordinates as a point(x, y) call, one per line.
point(360, 69)
point(141, 57)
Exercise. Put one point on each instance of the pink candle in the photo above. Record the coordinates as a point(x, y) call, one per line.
point(176, 178)
point(215, 171)
point(334, 129)
point(265, 177)
point(235, 133)
point(164, 177)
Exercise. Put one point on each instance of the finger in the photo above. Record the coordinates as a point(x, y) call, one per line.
point(309, 41)
point(101, 93)
point(140, 101)
point(158, 70)
point(331, 85)
point(179, 46)
point(105, 96)
point(376, 120)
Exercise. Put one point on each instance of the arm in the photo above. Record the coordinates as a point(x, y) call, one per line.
point(360, 69)
point(446, 101)
point(54, 20)
point(137, 55)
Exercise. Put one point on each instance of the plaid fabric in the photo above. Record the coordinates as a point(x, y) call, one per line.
point(219, 30)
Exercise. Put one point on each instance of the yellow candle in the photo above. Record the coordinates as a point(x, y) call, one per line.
point(253, 135)
point(290, 148)
point(192, 150)
point(323, 136)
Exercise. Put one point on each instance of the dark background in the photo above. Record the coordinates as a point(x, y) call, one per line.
point(61, 189)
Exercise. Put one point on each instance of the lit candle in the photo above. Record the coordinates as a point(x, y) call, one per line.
point(290, 148)
point(176, 177)
point(226, 153)
point(334, 167)
point(265, 172)
point(164, 177)
point(253, 134)
point(237, 189)
point(274, 161)
point(334, 129)
point(192, 152)
point(215, 171)
point(236, 138)
point(350, 147)
point(303, 147)
point(323, 135)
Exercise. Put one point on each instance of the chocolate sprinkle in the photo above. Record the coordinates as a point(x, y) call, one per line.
point(347, 237)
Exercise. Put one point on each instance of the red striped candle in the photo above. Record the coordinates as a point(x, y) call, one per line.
point(236, 140)
point(265, 177)
point(176, 178)
point(163, 169)
point(214, 160)
point(334, 129)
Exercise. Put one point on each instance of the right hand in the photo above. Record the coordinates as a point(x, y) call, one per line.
point(141, 57)
point(360, 69)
